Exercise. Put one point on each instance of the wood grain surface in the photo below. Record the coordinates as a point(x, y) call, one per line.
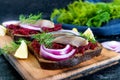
point(30, 69)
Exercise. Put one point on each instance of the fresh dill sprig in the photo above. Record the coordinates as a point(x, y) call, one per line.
point(80, 33)
point(88, 37)
point(30, 19)
point(1, 51)
point(19, 41)
point(12, 47)
point(44, 38)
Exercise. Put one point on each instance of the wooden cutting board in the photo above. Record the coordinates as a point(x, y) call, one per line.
point(30, 69)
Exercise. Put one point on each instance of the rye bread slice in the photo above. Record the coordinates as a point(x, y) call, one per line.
point(70, 62)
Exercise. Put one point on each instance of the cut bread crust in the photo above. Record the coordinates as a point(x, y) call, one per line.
point(70, 62)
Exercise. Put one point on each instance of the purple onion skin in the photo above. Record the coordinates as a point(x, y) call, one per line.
point(54, 57)
point(66, 50)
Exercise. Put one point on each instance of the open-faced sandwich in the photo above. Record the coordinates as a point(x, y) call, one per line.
point(27, 26)
point(53, 47)
point(61, 49)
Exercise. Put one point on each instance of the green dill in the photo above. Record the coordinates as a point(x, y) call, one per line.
point(19, 41)
point(12, 47)
point(88, 37)
point(1, 51)
point(80, 33)
point(44, 38)
point(30, 19)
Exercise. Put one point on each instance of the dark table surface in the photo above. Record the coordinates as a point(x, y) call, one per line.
point(11, 9)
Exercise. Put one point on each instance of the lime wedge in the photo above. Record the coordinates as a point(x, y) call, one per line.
point(88, 33)
point(75, 29)
point(2, 30)
point(22, 51)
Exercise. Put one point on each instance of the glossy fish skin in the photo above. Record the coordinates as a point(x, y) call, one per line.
point(72, 40)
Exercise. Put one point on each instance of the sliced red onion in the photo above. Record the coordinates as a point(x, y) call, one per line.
point(67, 49)
point(6, 23)
point(112, 45)
point(117, 49)
point(51, 56)
point(30, 27)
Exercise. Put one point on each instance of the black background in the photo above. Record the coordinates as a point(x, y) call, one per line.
point(11, 9)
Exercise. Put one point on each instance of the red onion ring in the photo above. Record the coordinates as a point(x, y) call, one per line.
point(65, 50)
point(54, 57)
point(14, 22)
point(112, 45)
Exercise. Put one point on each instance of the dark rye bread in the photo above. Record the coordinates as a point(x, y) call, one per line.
point(70, 62)
point(16, 37)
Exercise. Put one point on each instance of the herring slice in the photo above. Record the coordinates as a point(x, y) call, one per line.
point(72, 40)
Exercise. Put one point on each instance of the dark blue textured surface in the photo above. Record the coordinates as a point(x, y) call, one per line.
point(94, 1)
point(111, 28)
point(111, 73)
point(7, 72)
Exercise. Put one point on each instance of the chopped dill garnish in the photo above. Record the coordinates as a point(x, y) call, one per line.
point(30, 19)
point(1, 51)
point(44, 38)
point(88, 37)
point(12, 47)
point(19, 41)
